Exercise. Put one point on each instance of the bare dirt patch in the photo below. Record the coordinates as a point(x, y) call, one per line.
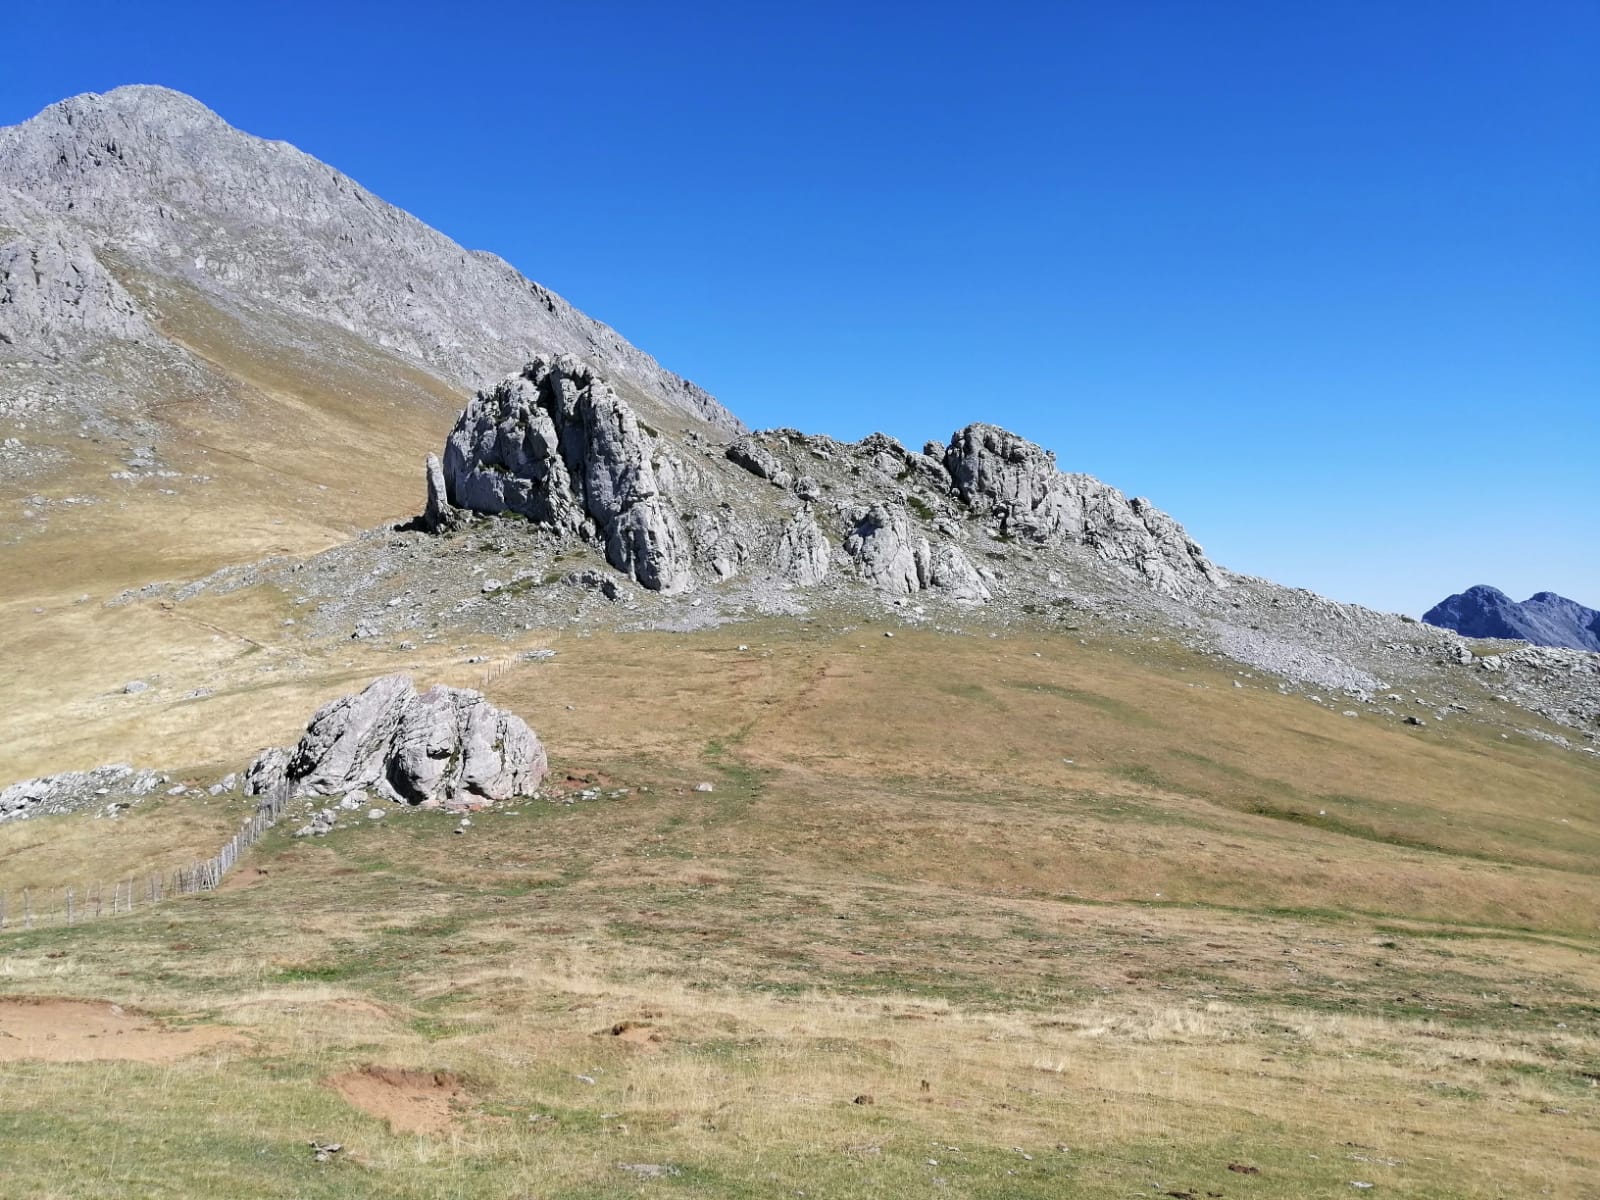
point(411, 1101)
point(243, 878)
point(634, 1033)
point(51, 1029)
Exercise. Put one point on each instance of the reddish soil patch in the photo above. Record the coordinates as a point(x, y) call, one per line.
point(242, 878)
point(51, 1029)
point(411, 1101)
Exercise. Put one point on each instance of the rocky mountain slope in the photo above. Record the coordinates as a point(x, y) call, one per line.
point(150, 180)
point(1545, 619)
point(556, 505)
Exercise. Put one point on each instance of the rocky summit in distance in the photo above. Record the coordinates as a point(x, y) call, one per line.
point(443, 748)
point(1544, 619)
point(558, 445)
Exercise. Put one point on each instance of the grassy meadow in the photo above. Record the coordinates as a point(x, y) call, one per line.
point(1019, 916)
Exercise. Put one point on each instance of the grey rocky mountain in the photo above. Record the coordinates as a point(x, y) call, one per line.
point(443, 748)
point(145, 184)
point(593, 488)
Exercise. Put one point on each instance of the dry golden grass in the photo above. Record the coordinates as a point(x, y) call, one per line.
point(751, 1088)
point(1159, 955)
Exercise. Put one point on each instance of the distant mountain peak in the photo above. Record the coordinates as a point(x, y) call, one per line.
point(1544, 618)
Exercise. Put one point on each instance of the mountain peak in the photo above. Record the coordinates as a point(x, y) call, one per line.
point(156, 112)
point(1544, 618)
point(153, 97)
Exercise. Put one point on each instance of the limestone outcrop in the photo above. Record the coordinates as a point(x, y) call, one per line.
point(439, 514)
point(803, 553)
point(108, 788)
point(443, 748)
point(952, 572)
point(759, 461)
point(556, 444)
point(889, 551)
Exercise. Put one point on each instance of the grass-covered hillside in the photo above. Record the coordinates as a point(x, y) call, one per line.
point(963, 916)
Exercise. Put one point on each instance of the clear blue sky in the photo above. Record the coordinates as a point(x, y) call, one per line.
point(1321, 279)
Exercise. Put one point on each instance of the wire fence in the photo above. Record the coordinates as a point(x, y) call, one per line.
point(68, 905)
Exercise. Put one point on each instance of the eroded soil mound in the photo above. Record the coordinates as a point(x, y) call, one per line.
point(411, 1101)
point(58, 1030)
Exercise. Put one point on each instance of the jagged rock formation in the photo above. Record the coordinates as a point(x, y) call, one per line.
point(1545, 619)
point(889, 552)
point(447, 747)
point(555, 444)
point(174, 192)
point(559, 446)
point(803, 551)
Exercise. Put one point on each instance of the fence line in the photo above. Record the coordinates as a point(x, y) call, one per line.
point(201, 875)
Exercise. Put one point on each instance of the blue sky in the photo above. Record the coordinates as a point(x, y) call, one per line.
point(1322, 280)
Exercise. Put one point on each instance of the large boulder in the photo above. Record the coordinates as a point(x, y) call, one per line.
point(556, 444)
point(443, 748)
point(750, 454)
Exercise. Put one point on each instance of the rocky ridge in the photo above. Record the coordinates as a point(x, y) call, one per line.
point(521, 527)
point(557, 445)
